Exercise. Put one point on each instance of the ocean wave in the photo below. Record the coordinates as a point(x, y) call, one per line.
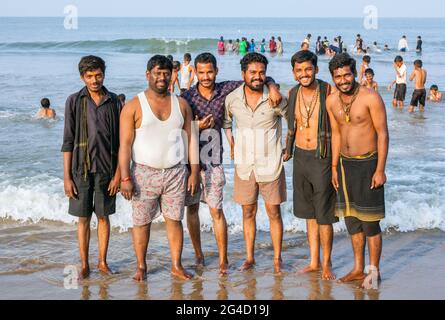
point(33, 201)
point(119, 45)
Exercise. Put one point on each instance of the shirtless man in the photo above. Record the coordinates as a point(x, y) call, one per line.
point(150, 126)
point(46, 111)
point(309, 133)
point(419, 94)
point(359, 150)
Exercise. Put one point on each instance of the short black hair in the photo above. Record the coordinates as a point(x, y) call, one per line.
point(188, 57)
point(159, 61)
point(342, 60)
point(434, 87)
point(45, 103)
point(369, 71)
point(90, 63)
point(418, 63)
point(205, 57)
point(398, 59)
point(303, 56)
point(251, 58)
point(170, 57)
point(367, 58)
point(176, 64)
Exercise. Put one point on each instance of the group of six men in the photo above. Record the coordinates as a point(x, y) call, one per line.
point(164, 153)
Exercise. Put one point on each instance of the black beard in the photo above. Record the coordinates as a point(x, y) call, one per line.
point(259, 89)
point(351, 91)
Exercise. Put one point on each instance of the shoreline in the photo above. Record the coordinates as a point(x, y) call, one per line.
point(41, 276)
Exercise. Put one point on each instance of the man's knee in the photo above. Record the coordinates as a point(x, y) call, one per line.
point(103, 219)
point(274, 212)
point(192, 209)
point(84, 221)
point(217, 214)
point(249, 211)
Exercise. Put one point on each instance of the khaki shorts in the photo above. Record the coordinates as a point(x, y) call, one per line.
point(245, 192)
point(211, 188)
point(158, 191)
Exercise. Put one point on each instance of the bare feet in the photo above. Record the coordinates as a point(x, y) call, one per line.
point(104, 269)
point(247, 265)
point(277, 265)
point(327, 274)
point(199, 261)
point(140, 275)
point(372, 280)
point(309, 268)
point(352, 276)
point(181, 273)
point(84, 272)
point(223, 269)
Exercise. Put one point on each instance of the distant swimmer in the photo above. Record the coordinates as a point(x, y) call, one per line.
point(435, 95)
point(419, 44)
point(252, 45)
point(419, 93)
point(279, 45)
point(230, 46)
point(187, 73)
point(359, 44)
point(304, 46)
point(403, 44)
point(221, 45)
point(263, 46)
point(369, 82)
point(364, 66)
point(375, 47)
point(272, 45)
point(308, 39)
point(46, 112)
point(175, 78)
point(400, 92)
point(319, 48)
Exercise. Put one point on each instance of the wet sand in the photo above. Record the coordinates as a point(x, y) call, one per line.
point(33, 258)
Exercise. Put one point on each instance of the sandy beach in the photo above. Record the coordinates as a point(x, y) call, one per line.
point(413, 264)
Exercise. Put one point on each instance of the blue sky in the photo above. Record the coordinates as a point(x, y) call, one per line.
point(224, 8)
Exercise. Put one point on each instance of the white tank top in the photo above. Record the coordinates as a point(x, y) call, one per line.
point(160, 144)
point(185, 76)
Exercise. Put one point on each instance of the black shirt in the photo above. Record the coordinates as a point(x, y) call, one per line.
point(419, 45)
point(99, 129)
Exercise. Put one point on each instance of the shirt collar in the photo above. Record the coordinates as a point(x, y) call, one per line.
point(85, 92)
point(195, 92)
point(240, 94)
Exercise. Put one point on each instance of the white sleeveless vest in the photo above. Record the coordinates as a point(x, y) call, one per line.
point(160, 144)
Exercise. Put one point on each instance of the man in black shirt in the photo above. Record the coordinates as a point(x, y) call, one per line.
point(90, 148)
point(419, 44)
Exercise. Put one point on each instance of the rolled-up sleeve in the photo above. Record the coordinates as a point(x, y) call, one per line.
point(227, 121)
point(70, 126)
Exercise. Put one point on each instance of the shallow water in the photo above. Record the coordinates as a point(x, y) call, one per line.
point(39, 58)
